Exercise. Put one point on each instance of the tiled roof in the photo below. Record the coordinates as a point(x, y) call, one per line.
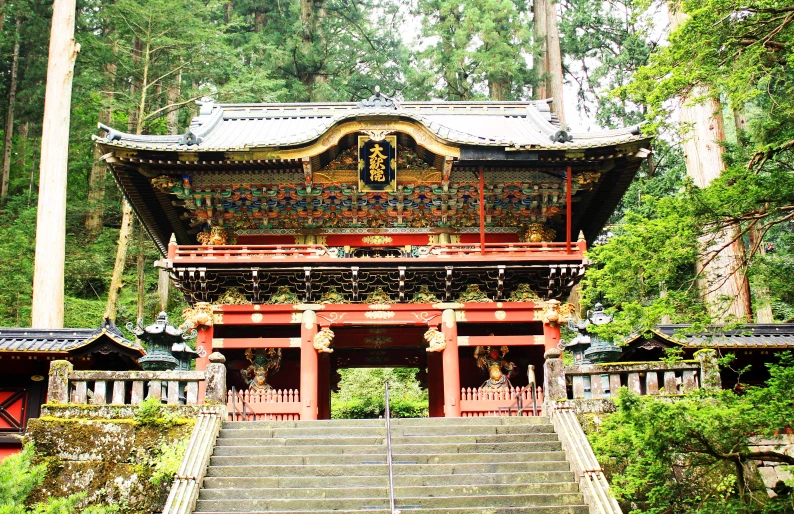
point(511, 125)
point(752, 335)
point(63, 340)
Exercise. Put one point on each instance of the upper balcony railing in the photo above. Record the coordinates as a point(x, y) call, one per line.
point(260, 254)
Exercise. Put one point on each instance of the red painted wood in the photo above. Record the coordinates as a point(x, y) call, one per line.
point(309, 372)
point(568, 209)
point(498, 341)
point(324, 387)
point(234, 343)
point(204, 349)
point(435, 384)
point(451, 364)
point(552, 334)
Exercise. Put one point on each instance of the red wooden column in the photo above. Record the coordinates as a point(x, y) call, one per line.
point(204, 349)
point(451, 364)
point(551, 335)
point(309, 366)
point(435, 385)
point(324, 387)
point(568, 209)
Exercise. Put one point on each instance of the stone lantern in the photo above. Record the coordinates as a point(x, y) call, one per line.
point(166, 349)
point(590, 348)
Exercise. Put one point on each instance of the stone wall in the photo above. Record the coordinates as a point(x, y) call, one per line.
point(774, 472)
point(112, 459)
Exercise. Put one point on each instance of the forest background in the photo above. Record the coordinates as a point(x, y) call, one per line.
point(143, 64)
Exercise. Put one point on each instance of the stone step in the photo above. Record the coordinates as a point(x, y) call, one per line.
point(380, 458)
point(382, 492)
point(551, 509)
point(244, 481)
point(397, 449)
point(311, 504)
point(380, 469)
point(337, 423)
point(406, 431)
point(396, 441)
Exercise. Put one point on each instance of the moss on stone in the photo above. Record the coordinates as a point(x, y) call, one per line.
point(112, 460)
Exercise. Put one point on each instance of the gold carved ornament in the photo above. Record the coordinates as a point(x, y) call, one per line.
point(322, 340)
point(199, 316)
point(435, 339)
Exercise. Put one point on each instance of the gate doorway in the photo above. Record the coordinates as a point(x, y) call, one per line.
point(366, 357)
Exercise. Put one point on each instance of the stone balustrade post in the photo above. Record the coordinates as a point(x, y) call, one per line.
point(554, 376)
point(58, 388)
point(709, 369)
point(216, 379)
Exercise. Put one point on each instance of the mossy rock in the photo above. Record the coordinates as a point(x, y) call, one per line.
point(111, 460)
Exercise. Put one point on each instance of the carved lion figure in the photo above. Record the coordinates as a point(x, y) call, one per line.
point(435, 339)
point(199, 316)
point(216, 236)
point(322, 340)
point(555, 312)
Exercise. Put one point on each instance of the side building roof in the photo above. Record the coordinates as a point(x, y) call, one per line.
point(70, 341)
point(752, 335)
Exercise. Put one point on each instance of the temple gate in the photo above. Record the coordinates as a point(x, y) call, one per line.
point(309, 237)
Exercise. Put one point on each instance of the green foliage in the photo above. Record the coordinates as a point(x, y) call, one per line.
point(692, 455)
point(646, 255)
point(478, 50)
point(150, 412)
point(167, 462)
point(361, 394)
point(19, 477)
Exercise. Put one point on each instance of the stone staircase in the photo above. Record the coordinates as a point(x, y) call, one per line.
point(464, 465)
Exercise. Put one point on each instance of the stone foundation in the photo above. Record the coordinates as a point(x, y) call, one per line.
point(112, 460)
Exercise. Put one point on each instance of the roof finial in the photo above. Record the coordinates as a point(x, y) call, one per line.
point(378, 101)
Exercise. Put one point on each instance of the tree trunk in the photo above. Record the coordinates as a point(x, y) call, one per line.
point(98, 177)
point(498, 89)
point(540, 59)
point(141, 268)
point(172, 97)
point(312, 12)
point(723, 278)
point(47, 308)
point(554, 61)
point(121, 256)
point(163, 280)
point(12, 101)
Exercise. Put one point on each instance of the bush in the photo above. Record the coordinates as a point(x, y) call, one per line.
point(19, 477)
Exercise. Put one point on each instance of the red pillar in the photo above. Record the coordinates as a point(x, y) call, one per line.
point(451, 364)
point(324, 387)
point(204, 349)
point(309, 366)
point(552, 336)
point(435, 384)
point(568, 208)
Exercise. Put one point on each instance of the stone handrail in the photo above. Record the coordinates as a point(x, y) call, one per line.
point(652, 378)
point(187, 483)
point(588, 472)
point(93, 386)
point(67, 386)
